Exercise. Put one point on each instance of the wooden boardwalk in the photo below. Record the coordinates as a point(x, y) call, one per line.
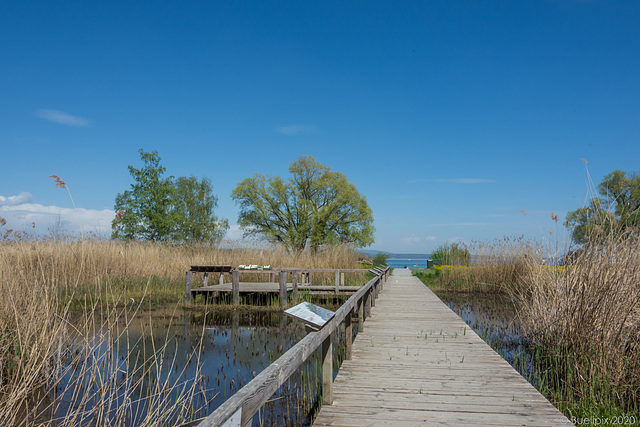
point(417, 363)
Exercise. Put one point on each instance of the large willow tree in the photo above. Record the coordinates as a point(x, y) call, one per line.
point(314, 206)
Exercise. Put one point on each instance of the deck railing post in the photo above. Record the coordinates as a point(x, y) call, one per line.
point(367, 310)
point(310, 277)
point(294, 283)
point(327, 371)
point(221, 281)
point(283, 288)
point(374, 293)
point(187, 287)
point(337, 281)
point(348, 334)
point(342, 279)
point(205, 282)
point(361, 315)
point(235, 286)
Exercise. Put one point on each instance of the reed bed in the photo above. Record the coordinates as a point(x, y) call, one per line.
point(587, 316)
point(65, 309)
point(579, 315)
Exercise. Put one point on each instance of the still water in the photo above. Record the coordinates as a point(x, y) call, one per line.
point(197, 358)
point(407, 262)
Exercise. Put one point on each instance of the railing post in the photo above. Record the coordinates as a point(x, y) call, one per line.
point(221, 281)
point(187, 288)
point(348, 334)
point(327, 371)
point(337, 281)
point(283, 288)
point(342, 279)
point(374, 293)
point(361, 314)
point(205, 282)
point(294, 283)
point(367, 309)
point(310, 277)
point(235, 286)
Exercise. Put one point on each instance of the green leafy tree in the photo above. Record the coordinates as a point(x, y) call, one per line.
point(315, 206)
point(380, 258)
point(195, 203)
point(159, 208)
point(615, 213)
point(145, 212)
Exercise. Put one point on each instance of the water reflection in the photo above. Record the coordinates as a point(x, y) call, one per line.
point(197, 358)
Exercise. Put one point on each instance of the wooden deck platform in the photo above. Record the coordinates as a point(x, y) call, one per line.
point(269, 287)
point(418, 364)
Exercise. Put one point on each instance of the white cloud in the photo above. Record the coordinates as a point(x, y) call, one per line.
point(430, 238)
point(467, 180)
point(296, 129)
point(22, 215)
point(21, 198)
point(409, 240)
point(234, 232)
point(62, 118)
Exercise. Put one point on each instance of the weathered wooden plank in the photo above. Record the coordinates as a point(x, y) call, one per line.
point(417, 363)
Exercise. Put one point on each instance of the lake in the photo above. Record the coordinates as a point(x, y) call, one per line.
point(407, 262)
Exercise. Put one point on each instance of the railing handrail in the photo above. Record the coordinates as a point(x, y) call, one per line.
point(255, 393)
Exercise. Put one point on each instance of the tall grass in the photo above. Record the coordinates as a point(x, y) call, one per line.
point(65, 309)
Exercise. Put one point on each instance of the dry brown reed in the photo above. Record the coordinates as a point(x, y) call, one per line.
point(590, 309)
point(52, 365)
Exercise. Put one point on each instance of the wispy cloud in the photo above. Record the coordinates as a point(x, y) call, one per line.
point(467, 180)
point(63, 118)
point(297, 129)
point(430, 238)
point(454, 180)
point(410, 239)
point(461, 224)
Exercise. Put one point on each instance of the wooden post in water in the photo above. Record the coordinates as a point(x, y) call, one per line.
point(327, 371)
point(235, 286)
point(187, 287)
point(361, 315)
point(283, 288)
point(337, 281)
point(348, 334)
point(294, 283)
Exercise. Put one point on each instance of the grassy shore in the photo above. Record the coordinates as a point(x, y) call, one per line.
point(58, 296)
point(581, 321)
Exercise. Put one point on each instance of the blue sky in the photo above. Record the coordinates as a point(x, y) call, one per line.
point(450, 117)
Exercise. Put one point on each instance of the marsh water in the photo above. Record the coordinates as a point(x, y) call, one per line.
point(194, 359)
point(198, 358)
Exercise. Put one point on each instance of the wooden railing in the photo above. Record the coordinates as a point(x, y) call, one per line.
point(240, 408)
point(305, 274)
